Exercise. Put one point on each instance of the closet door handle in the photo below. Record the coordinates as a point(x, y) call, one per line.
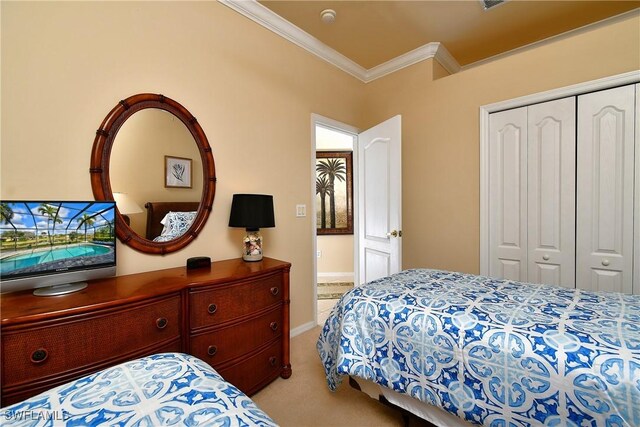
point(546, 257)
point(605, 262)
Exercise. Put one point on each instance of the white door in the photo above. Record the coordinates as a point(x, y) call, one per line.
point(551, 190)
point(508, 194)
point(379, 201)
point(605, 179)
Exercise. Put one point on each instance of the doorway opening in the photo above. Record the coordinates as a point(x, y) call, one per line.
point(333, 143)
point(373, 249)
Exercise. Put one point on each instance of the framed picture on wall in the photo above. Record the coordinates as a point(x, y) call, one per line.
point(177, 172)
point(334, 192)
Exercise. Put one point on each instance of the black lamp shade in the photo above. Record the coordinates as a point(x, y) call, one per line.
point(252, 211)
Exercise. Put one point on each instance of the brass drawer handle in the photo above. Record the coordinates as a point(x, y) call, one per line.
point(212, 350)
point(39, 356)
point(162, 322)
point(212, 308)
point(273, 326)
point(272, 361)
point(275, 291)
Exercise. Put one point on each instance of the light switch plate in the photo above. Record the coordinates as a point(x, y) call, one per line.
point(301, 210)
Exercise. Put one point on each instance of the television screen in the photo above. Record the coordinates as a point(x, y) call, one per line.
point(46, 243)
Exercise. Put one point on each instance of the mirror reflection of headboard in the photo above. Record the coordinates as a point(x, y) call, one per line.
point(157, 210)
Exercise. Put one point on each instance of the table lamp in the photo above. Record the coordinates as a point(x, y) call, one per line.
point(252, 212)
point(126, 206)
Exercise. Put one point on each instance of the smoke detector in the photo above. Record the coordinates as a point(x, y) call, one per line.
point(328, 16)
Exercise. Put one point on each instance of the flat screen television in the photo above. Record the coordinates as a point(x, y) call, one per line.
point(54, 247)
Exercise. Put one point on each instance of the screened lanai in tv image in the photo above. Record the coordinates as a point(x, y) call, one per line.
point(41, 237)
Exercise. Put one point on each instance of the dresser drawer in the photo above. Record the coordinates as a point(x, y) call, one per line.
point(255, 372)
point(75, 344)
point(230, 342)
point(215, 305)
point(11, 396)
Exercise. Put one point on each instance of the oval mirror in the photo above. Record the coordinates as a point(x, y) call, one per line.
point(160, 171)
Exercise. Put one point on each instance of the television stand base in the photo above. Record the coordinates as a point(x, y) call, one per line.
point(67, 288)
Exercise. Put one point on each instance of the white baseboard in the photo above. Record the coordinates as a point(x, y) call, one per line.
point(302, 328)
point(336, 277)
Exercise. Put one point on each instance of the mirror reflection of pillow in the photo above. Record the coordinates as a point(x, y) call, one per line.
point(175, 225)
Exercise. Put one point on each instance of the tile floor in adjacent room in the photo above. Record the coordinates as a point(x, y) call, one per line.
point(328, 295)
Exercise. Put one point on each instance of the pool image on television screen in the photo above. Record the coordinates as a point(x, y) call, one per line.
point(40, 238)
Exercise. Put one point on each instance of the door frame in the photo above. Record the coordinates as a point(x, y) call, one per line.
point(317, 119)
point(636, 227)
point(573, 90)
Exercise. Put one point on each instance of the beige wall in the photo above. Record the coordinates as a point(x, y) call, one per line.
point(440, 131)
point(66, 64)
point(336, 254)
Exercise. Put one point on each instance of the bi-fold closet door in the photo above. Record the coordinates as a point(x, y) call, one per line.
point(605, 210)
point(561, 191)
point(532, 193)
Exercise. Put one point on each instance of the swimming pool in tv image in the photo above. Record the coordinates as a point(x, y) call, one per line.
point(43, 238)
point(43, 259)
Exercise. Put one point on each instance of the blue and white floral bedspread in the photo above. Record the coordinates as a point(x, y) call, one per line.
point(494, 352)
point(158, 390)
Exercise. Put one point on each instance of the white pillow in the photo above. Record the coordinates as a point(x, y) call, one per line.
point(175, 225)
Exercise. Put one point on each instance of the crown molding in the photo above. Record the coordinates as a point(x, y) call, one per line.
point(270, 20)
point(447, 60)
point(429, 50)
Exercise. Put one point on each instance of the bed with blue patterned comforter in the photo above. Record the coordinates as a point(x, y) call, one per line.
point(493, 352)
point(158, 390)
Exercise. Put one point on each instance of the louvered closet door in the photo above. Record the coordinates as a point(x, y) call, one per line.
point(551, 193)
point(507, 194)
point(605, 190)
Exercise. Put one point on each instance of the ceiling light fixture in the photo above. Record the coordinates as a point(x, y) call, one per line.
point(328, 16)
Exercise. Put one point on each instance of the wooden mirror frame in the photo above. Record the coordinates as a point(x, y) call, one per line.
point(99, 170)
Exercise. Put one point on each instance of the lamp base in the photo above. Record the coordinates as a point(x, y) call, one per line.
point(252, 246)
point(252, 258)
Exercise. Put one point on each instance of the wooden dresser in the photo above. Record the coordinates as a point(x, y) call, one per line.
point(235, 316)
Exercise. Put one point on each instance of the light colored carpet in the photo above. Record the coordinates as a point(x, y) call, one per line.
point(305, 400)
